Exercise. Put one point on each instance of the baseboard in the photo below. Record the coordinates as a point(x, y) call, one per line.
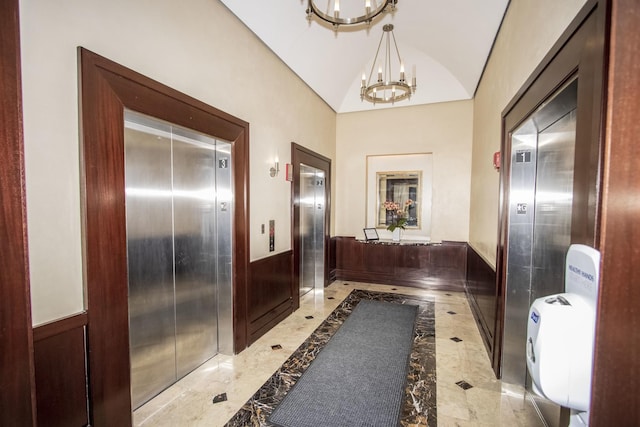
point(267, 321)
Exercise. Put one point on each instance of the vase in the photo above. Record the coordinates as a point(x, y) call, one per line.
point(396, 234)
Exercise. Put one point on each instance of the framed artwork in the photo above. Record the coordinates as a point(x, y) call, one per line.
point(399, 187)
point(399, 195)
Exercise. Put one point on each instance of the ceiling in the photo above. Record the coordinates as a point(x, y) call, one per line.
point(447, 41)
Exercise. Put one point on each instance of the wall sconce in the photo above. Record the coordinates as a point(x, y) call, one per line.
point(273, 172)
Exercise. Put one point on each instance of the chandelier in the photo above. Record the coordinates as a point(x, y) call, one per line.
point(385, 90)
point(336, 20)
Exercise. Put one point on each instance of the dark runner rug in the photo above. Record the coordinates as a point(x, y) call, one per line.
point(419, 400)
point(358, 377)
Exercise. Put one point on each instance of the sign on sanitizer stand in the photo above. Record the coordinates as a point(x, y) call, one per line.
point(560, 336)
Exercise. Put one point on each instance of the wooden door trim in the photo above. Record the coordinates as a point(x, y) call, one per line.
point(300, 154)
point(17, 378)
point(106, 89)
point(580, 49)
point(616, 368)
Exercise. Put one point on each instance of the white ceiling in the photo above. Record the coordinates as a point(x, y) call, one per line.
point(448, 42)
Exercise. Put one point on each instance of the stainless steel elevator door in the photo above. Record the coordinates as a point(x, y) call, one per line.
point(312, 213)
point(178, 206)
point(540, 208)
point(194, 183)
point(554, 196)
point(150, 263)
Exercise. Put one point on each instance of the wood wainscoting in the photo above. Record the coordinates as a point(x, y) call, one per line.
point(482, 294)
point(439, 266)
point(60, 371)
point(270, 293)
point(60, 346)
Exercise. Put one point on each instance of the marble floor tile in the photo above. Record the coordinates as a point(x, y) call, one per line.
point(189, 401)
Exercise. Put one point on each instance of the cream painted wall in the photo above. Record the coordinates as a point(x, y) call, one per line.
point(528, 32)
point(442, 129)
point(200, 49)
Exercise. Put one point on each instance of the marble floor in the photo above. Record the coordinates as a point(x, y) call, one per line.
point(459, 364)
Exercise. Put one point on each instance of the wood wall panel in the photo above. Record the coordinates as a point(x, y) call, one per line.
point(332, 261)
point(434, 266)
point(271, 293)
point(17, 385)
point(60, 373)
point(482, 293)
point(349, 254)
point(379, 258)
point(411, 258)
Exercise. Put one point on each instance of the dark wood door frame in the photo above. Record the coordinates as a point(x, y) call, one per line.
point(616, 370)
point(613, 124)
point(580, 51)
point(17, 380)
point(302, 155)
point(106, 89)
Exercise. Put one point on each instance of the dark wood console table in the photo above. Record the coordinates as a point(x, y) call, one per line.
point(407, 263)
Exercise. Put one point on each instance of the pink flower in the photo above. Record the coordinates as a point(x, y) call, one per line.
point(391, 206)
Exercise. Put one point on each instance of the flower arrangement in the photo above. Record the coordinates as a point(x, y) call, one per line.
point(398, 214)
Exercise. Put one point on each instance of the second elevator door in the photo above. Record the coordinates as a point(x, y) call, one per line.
point(540, 209)
point(178, 247)
point(312, 220)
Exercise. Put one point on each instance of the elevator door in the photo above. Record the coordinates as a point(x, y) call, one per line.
point(312, 220)
point(540, 208)
point(179, 250)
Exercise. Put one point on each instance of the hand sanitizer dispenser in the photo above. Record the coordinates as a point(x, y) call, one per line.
point(560, 336)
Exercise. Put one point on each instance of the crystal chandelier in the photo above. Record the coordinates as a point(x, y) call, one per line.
point(336, 20)
point(384, 90)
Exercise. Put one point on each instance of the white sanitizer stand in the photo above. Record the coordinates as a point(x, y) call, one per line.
point(560, 336)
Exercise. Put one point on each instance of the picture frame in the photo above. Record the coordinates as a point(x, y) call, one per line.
point(370, 234)
point(379, 165)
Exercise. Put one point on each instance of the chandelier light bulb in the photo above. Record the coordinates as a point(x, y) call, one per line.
point(336, 20)
point(413, 78)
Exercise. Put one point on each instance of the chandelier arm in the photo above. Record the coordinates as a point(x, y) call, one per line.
point(375, 60)
point(397, 50)
point(388, 58)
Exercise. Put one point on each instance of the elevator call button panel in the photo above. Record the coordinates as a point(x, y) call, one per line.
point(272, 235)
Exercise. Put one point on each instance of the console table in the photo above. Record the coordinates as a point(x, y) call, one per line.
point(427, 265)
